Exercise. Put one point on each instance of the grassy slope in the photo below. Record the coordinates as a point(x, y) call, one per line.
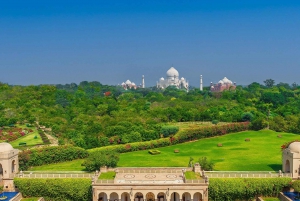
point(261, 153)
point(29, 139)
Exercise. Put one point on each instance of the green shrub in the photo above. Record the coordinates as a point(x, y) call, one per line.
point(47, 155)
point(101, 158)
point(22, 143)
point(154, 152)
point(67, 189)
point(245, 188)
point(215, 121)
point(169, 130)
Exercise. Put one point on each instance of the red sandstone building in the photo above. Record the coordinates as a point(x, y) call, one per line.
point(224, 84)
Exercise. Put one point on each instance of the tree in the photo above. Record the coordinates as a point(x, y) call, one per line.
point(99, 159)
point(247, 116)
point(206, 164)
point(269, 83)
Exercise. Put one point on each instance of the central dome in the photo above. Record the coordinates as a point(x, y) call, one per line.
point(172, 72)
point(5, 147)
point(295, 147)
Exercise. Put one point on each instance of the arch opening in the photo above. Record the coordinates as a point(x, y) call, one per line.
point(138, 196)
point(287, 166)
point(114, 197)
point(102, 197)
point(175, 197)
point(186, 196)
point(125, 197)
point(197, 197)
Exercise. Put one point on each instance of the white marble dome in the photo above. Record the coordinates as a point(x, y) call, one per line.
point(128, 82)
point(5, 147)
point(226, 81)
point(294, 147)
point(162, 78)
point(172, 72)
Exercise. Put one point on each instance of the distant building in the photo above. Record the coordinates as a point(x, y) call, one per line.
point(224, 84)
point(172, 79)
point(129, 85)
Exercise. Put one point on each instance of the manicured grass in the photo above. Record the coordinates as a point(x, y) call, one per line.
point(271, 199)
point(74, 165)
point(192, 175)
point(30, 199)
point(29, 139)
point(261, 153)
point(108, 175)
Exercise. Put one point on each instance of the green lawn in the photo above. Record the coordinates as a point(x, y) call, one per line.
point(192, 175)
point(74, 165)
point(108, 175)
point(271, 199)
point(262, 152)
point(29, 139)
point(30, 199)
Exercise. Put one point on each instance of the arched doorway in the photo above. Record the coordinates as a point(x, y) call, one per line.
point(197, 197)
point(186, 196)
point(150, 197)
point(114, 197)
point(102, 197)
point(1, 172)
point(287, 166)
point(161, 196)
point(138, 197)
point(13, 166)
point(125, 197)
point(175, 197)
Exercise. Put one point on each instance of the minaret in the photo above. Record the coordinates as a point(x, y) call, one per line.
point(201, 83)
point(143, 81)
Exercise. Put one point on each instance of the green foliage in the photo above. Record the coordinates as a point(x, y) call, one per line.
point(247, 116)
point(133, 136)
point(154, 152)
point(296, 185)
point(98, 159)
point(215, 122)
point(206, 164)
point(47, 155)
point(68, 189)
point(245, 188)
point(169, 130)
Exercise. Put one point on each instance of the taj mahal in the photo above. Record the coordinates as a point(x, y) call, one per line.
point(172, 79)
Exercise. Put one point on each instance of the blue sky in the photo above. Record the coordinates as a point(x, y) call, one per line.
point(58, 42)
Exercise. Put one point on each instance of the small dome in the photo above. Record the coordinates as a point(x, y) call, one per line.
point(172, 72)
point(294, 147)
point(123, 83)
point(162, 79)
point(132, 83)
point(5, 147)
point(128, 82)
point(221, 82)
point(182, 79)
point(226, 80)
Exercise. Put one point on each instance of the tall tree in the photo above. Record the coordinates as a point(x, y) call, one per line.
point(269, 83)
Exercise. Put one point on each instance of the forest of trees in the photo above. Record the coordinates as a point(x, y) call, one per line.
point(90, 114)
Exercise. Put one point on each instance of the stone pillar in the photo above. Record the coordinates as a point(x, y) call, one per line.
point(197, 168)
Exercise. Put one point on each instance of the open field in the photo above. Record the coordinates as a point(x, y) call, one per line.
point(262, 152)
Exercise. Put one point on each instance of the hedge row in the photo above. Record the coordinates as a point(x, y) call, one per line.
point(245, 188)
point(68, 189)
point(182, 136)
point(50, 154)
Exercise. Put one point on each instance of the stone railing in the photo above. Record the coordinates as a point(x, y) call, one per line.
point(195, 181)
point(54, 175)
point(152, 170)
point(245, 174)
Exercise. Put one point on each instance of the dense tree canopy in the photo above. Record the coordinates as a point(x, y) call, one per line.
point(91, 114)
